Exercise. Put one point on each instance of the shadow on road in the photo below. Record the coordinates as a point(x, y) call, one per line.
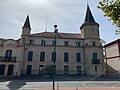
point(15, 85)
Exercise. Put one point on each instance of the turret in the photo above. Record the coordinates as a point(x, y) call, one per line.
point(26, 27)
point(89, 29)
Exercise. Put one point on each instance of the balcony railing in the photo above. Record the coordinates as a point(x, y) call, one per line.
point(4, 59)
point(95, 61)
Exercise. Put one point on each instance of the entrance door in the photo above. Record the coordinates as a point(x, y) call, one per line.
point(10, 69)
point(78, 70)
point(41, 67)
point(66, 70)
point(2, 69)
point(29, 68)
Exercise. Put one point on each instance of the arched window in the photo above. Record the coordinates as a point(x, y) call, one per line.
point(8, 55)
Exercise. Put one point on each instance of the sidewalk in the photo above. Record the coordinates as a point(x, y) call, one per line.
point(80, 89)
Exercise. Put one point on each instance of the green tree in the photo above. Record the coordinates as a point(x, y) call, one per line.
point(111, 9)
point(48, 70)
point(102, 42)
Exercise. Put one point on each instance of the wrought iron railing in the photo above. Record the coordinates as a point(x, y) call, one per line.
point(4, 59)
point(58, 72)
point(95, 61)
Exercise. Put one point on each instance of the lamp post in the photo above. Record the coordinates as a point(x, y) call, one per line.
point(54, 55)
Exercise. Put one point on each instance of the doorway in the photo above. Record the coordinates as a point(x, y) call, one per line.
point(10, 69)
point(29, 68)
point(2, 69)
point(41, 72)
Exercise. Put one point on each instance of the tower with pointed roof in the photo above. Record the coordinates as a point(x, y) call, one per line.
point(93, 52)
point(26, 27)
point(89, 29)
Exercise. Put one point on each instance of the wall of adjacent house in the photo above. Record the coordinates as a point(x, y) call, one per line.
point(113, 60)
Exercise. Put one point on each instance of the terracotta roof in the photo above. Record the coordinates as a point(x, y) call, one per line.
point(59, 35)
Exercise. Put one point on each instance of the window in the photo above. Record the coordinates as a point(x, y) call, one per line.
point(66, 57)
point(2, 69)
point(30, 55)
point(43, 42)
point(66, 69)
point(53, 56)
point(54, 43)
point(8, 55)
point(77, 44)
point(95, 68)
point(94, 55)
point(41, 65)
point(66, 43)
point(31, 42)
point(79, 70)
point(78, 57)
point(94, 43)
point(10, 69)
point(95, 60)
point(42, 56)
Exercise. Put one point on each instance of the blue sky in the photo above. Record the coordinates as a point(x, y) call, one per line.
point(67, 14)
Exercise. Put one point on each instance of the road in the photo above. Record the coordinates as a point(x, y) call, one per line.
point(34, 84)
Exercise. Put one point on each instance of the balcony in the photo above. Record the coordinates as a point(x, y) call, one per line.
point(3, 59)
point(95, 61)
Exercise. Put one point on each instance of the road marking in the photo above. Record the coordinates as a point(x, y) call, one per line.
point(115, 85)
point(84, 85)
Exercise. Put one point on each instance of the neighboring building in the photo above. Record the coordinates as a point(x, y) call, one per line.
point(78, 54)
point(113, 58)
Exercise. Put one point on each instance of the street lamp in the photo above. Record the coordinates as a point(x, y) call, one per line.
point(54, 55)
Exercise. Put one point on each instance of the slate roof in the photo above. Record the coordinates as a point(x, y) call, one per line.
point(27, 23)
point(89, 17)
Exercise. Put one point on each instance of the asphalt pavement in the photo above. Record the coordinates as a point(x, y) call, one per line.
point(36, 83)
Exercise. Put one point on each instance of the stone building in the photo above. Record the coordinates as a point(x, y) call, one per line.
point(76, 54)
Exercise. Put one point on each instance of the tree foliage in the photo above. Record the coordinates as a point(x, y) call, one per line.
point(48, 70)
point(111, 9)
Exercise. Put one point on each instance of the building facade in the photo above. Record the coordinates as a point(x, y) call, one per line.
point(76, 54)
point(112, 59)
